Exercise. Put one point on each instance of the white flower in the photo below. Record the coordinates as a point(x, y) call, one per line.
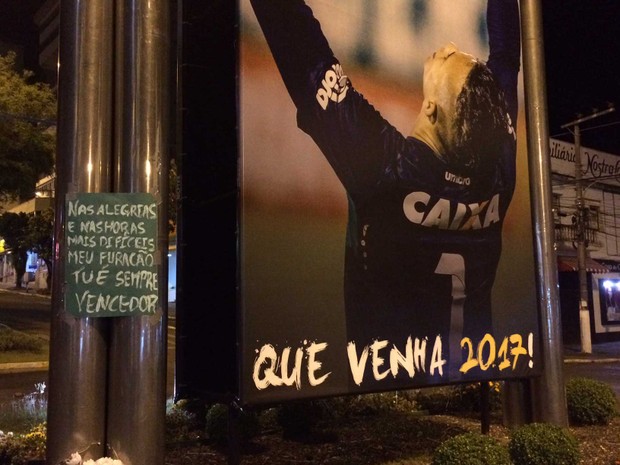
point(75, 459)
point(103, 461)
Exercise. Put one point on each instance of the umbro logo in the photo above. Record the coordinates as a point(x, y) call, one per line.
point(460, 180)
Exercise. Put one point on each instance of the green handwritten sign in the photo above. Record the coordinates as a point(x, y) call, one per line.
point(111, 255)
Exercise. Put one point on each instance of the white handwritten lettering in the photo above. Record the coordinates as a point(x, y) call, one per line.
point(270, 369)
point(413, 360)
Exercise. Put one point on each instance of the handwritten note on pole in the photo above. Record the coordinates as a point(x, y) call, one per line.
point(111, 255)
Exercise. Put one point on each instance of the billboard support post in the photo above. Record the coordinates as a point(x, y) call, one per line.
point(138, 356)
point(107, 376)
point(78, 346)
point(548, 394)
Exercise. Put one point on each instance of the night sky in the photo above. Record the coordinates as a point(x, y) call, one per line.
point(17, 27)
point(582, 56)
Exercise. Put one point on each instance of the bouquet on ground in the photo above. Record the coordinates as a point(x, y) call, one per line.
point(76, 459)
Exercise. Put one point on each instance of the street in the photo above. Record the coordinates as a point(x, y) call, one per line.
point(30, 313)
point(24, 311)
point(606, 372)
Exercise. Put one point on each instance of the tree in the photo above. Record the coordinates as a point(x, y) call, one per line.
point(27, 139)
point(40, 239)
point(14, 228)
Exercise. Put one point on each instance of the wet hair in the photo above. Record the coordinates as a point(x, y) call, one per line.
point(480, 122)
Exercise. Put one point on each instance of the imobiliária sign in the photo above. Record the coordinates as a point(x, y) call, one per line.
point(596, 166)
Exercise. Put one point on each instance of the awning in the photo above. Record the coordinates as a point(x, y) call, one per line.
point(570, 264)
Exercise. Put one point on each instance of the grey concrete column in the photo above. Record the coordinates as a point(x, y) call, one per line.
point(137, 381)
point(78, 363)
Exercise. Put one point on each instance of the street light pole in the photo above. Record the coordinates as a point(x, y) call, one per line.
point(584, 312)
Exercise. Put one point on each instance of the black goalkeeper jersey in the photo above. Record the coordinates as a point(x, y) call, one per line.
point(423, 241)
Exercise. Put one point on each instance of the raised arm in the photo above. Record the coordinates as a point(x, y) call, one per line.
point(353, 136)
point(505, 48)
point(296, 41)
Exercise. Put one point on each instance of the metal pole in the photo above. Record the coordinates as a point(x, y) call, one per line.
point(485, 408)
point(137, 383)
point(78, 360)
point(179, 349)
point(584, 313)
point(548, 394)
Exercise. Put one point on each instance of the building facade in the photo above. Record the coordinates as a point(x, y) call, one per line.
point(598, 225)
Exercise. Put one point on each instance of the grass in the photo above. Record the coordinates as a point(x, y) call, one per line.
point(17, 346)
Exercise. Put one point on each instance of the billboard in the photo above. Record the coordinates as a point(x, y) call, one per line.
point(385, 237)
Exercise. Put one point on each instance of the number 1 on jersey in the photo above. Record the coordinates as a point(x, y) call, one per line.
point(453, 265)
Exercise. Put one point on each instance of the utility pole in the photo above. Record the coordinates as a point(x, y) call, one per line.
point(581, 224)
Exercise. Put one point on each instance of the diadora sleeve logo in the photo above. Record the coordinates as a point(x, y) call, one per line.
point(334, 86)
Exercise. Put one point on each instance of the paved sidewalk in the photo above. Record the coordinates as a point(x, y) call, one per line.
point(607, 352)
point(10, 287)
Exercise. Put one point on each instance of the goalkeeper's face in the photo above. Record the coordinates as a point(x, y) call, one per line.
point(445, 73)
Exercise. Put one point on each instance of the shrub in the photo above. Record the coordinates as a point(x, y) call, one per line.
point(25, 412)
point(435, 400)
point(18, 341)
point(467, 397)
point(217, 424)
point(457, 399)
point(543, 444)
point(471, 449)
point(369, 404)
point(181, 422)
point(300, 418)
point(21, 449)
point(590, 402)
point(34, 441)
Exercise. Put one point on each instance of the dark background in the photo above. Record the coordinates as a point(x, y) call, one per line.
point(582, 55)
point(17, 27)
